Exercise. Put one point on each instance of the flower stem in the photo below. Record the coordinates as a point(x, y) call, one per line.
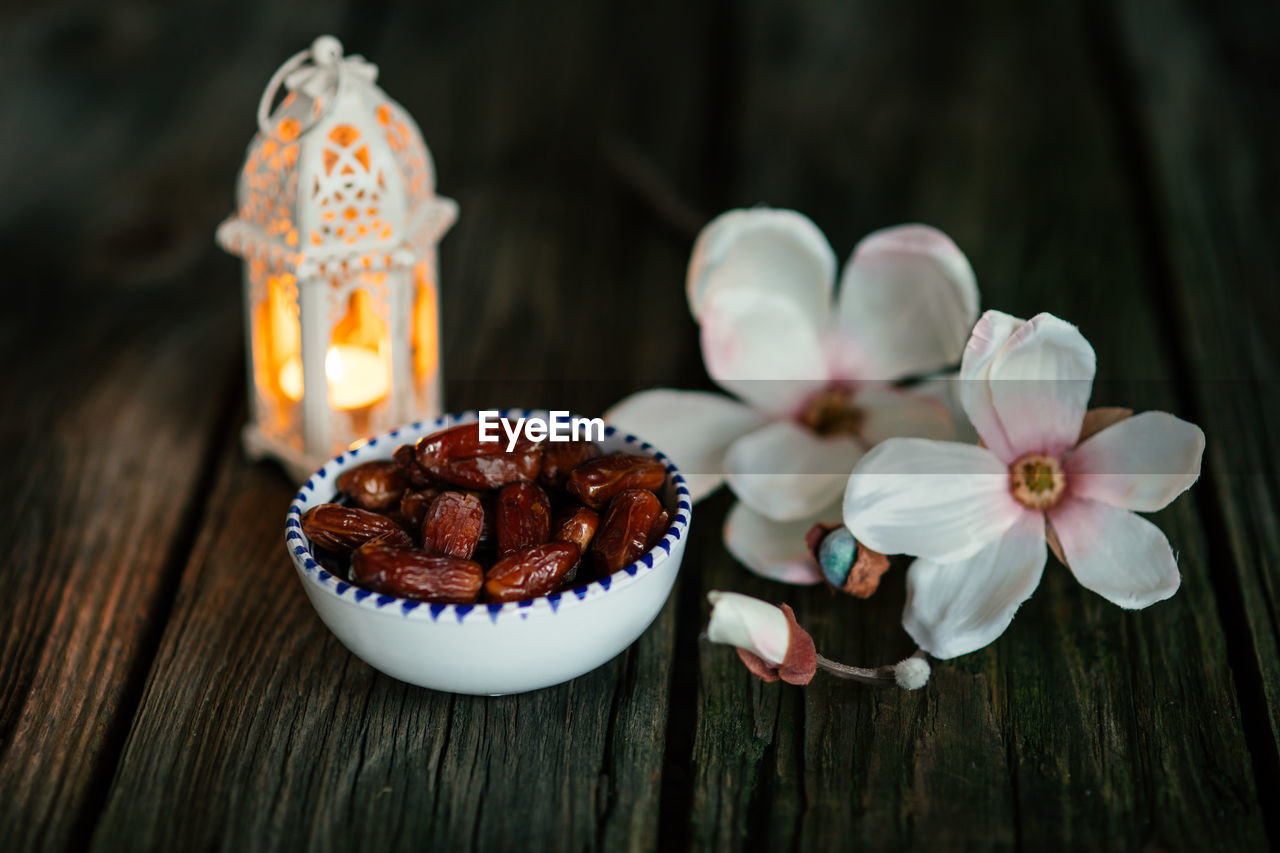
point(881, 676)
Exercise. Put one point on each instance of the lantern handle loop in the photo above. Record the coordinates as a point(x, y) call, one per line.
point(324, 51)
point(273, 86)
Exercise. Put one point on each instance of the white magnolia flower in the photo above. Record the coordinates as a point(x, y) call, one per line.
point(978, 517)
point(810, 375)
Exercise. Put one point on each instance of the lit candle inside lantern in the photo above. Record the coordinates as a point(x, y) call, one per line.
point(357, 377)
point(340, 279)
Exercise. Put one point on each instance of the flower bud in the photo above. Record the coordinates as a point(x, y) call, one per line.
point(769, 641)
point(846, 563)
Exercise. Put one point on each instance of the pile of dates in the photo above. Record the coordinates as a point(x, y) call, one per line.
point(456, 520)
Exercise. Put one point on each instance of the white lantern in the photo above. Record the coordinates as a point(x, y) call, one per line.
point(338, 223)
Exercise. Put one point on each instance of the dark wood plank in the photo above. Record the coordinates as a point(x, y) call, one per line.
point(120, 340)
point(1083, 726)
point(108, 420)
point(1206, 121)
point(252, 708)
point(287, 741)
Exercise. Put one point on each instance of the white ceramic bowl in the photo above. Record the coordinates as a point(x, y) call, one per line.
point(491, 648)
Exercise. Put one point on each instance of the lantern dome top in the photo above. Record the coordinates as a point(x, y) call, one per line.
point(338, 176)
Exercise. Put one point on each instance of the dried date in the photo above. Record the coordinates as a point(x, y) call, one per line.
point(659, 529)
point(488, 472)
point(551, 514)
point(414, 505)
point(457, 456)
point(453, 524)
point(374, 486)
point(417, 574)
point(343, 528)
point(596, 481)
point(624, 531)
point(418, 476)
point(559, 458)
point(531, 572)
point(578, 527)
point(522, 517)
point(488, 536)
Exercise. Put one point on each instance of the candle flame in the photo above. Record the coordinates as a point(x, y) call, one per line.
point(357, 377)
point(333, 365)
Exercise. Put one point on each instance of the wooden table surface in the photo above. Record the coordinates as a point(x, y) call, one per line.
point(164, 683)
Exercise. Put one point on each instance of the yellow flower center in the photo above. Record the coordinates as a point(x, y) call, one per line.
point(832, 412)
point(1037, 481)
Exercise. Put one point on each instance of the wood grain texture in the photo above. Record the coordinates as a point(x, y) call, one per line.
point(252, 708)
point(1206, 114)
point(165, 685)
point(256, 713)
point(120, 358)
point(97, 515)
point(1084, 726)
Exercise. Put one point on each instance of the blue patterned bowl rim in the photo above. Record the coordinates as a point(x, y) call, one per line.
point(381, 447)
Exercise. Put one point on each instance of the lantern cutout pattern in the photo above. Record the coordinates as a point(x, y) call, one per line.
point(337, 223)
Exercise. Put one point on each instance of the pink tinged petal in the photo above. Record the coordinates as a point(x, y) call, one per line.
point(749, 623)
point(763, 250)
point(1040, 384)
point(956, 608)
point(762, 348)
point(991, 333)
point(932, 499)
point(774, 549)
point(694, 428)
point(1141, 463)
point(1120, 556)
point(787, 472)
point(946, 390)
point(908, 300)
point(893, 413)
